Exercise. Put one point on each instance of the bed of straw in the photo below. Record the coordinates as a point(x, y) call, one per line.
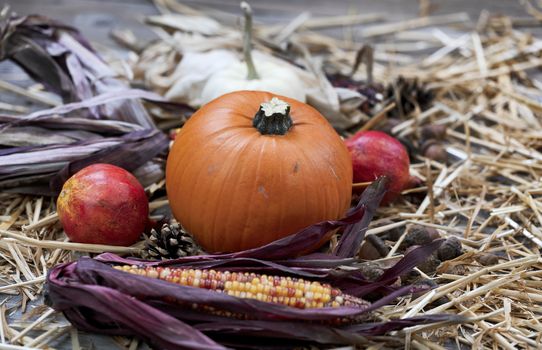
point(483, 75)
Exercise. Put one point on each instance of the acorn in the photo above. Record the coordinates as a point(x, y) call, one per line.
point(431, 284)
point(428, 266)
point(450, 249)
point(392, 234)
point(434, 150)
point(409, 145)
point(419, 235)
point(379, 244)
point(433, 131)
point(410, 277)
point(455, 269)
point(368, 252)
point(388, 125)
point(487, 259)
point(373, 248)
point(371, 270)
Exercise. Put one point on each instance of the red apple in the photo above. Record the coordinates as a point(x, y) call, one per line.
point(103, 204)
point(376, 154)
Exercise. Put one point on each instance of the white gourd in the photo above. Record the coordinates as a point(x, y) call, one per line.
point(265, 75)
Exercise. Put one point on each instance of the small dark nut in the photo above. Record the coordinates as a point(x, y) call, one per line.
point(434, 150)
point(368, 252)
point(428, 266)
point(431, 284)
point(425, 144)
point(431, 265)
point(389, 124)
point(410, 278)
point(433, 131)
point(379, 244)
point(433, 233)
point(454, 269)
point(411, 149)
point(437, 153)
point(425, 284)
point(392, 234)
point(450, 249)
point(371, 271)
point(487, 259)
point(419, 235)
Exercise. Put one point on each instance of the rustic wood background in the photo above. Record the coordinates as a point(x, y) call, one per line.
point(97, 18)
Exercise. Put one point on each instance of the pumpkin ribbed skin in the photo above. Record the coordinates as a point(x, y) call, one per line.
point(236, 189)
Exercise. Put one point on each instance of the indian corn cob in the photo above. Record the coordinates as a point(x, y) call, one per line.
point(287, 291)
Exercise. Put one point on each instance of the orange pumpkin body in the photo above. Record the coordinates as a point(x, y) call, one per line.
point(234, 188)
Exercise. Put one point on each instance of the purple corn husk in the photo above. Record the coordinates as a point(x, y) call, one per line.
point(102, 119)
point(350, 241)
point(76, 288)
point(60, 58)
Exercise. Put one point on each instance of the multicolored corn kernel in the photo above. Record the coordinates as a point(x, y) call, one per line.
point(287, 291)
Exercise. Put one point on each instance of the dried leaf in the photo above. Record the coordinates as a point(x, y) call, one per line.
point(130, 150)
point(103, 99)
point(60, 58)
point(351, 239)
point(102, 119)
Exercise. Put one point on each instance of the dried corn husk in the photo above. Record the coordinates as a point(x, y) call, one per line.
point(101, 120)
point(94, 284)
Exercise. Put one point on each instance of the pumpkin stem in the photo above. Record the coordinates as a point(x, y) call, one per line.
point(247, 42)
point(273, 118)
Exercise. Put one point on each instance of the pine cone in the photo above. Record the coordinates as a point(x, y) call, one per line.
point(170, 242)
point(410, 92)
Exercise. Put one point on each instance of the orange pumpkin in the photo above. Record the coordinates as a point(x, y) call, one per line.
point(251, 167)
